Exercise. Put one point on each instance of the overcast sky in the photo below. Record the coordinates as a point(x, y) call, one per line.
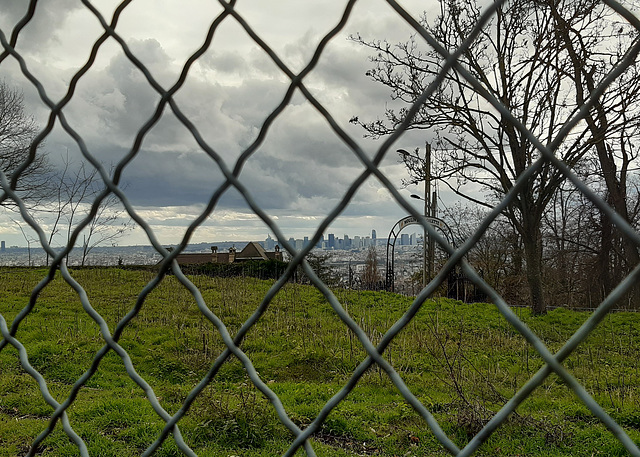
point(300, 171)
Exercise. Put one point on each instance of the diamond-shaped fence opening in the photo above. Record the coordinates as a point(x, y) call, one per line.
point(546, 156)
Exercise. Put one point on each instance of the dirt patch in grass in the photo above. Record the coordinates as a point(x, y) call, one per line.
point(345, 443)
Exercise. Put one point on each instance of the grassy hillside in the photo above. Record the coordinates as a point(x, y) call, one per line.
point(462, 361)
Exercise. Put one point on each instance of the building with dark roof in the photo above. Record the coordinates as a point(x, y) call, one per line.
point(252, 251)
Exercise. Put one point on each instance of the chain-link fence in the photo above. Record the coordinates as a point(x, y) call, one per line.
point(553, 362)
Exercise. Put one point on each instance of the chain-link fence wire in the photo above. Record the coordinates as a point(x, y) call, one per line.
point(553, 362)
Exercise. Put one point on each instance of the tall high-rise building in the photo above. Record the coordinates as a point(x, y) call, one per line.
point(269, 243)
point(332, 241)
point(2, 246)
point(404, 239)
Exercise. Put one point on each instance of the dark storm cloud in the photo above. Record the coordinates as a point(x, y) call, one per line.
point(169, 178)
point(113, 105)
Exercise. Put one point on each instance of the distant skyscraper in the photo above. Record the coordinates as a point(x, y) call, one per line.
point(2, 246)
point(373, 237)
point(269, 243)
point(404, 239)
point(332, 241)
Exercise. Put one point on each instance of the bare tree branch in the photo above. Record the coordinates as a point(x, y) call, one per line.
point(17, 132)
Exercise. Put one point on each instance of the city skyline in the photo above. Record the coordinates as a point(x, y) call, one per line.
point(404, 239)
point(357, 242)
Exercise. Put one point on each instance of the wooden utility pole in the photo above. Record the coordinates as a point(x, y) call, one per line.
point(426, 274)
point(428, 260)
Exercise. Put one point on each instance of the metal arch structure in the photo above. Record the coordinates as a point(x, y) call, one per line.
point(393, 236)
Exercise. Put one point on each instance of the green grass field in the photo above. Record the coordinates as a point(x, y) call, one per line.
point(462, 361)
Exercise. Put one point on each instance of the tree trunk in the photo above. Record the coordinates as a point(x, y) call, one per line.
point(604, 256)
point(533, 259)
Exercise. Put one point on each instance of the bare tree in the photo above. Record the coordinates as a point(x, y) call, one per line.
point(521, 59)
point(77, 187)
point(371, 278)
point(28, 238)
point(17, 133)
point(60, 202)
point(106, 227)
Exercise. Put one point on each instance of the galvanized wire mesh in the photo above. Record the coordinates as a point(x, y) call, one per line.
point(553, 362)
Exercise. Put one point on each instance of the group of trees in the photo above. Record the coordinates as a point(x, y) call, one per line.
point(56, 195)
point(543, 60)
point(573, 269)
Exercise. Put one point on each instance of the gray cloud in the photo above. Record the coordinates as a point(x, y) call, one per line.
point(225, 62)
point(44, 27)
point(301, 169)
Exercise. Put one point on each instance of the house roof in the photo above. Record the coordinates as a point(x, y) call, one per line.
point(195, 258)
point(252, 251)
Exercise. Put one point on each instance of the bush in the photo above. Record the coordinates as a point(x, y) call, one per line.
point(261, 269)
